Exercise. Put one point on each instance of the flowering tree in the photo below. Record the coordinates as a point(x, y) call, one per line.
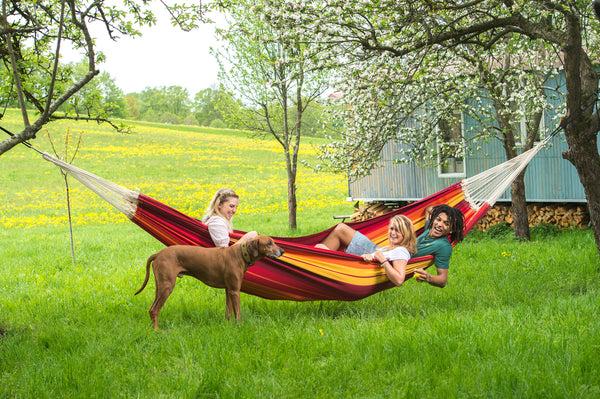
point(386, 47)
point(506, 93)
point(275, 79)
point(33, 35)
point(513, 78)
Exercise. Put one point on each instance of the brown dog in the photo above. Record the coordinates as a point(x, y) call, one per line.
point(222, 267)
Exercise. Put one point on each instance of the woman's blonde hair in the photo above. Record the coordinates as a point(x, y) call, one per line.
point(405, 227)
point(221, 196)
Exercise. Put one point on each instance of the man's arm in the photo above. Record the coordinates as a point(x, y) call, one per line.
point(438, 280)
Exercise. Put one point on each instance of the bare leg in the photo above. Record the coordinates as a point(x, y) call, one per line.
point(339, 237)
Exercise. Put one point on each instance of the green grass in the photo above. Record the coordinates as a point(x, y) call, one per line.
point(517, 319)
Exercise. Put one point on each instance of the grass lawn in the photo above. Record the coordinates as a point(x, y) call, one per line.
point(517, 319)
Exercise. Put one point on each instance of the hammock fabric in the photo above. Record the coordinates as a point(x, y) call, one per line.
point(306, 273)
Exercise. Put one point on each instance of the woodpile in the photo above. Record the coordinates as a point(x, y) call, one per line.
point(560, 215)
point(369, 210)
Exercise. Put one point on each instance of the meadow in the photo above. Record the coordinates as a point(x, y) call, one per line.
point(517, 319)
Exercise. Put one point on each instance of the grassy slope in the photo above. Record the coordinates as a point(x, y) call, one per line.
point(516, 320)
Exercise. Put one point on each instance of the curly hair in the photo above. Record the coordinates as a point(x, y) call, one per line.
point(457, 220)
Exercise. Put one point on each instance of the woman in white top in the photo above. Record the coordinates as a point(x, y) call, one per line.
point(218, 216)
point(393, 258)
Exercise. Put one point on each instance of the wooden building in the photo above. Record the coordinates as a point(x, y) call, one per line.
point(548, 178)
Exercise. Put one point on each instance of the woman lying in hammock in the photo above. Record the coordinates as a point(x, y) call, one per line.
point(393, 258)
point(444, 226)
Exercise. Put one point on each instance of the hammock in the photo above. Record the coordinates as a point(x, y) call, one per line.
point(306, 273)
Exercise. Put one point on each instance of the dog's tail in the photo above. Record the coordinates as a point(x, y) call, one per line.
point(150, 259)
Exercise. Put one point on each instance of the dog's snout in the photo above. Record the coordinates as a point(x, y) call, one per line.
point(281, 252)
point(276, 252)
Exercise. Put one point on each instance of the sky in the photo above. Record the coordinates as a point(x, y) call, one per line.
point(163, 56)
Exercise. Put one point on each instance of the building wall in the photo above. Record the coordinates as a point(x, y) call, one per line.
point(548, 178)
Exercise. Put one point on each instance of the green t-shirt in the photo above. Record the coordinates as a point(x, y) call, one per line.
point(440, 248)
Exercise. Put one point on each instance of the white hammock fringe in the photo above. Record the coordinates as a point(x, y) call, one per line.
point(489, 185)
point(123, 199)
point(483, 188)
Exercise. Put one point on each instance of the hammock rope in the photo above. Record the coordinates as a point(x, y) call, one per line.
point(483, 188)
point(489, 185)
point(121, 198)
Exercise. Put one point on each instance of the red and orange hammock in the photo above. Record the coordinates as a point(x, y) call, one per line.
point(306, 273)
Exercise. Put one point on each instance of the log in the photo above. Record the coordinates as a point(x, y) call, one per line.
point(563, 215)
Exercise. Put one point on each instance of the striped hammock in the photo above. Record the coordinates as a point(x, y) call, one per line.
point(306, 273)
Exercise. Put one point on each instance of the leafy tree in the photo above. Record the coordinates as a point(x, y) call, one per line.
point(503, 91)
point(515, 77)
point(388, 43)
point(205, 105)
point(275, 80)
point(160, 104)
point(32, 35)
point(166, 104)
point(228, 106)
point(132, 106)
point(100, 93)
point(113, 95)
point(209, 105)
point(319, 119)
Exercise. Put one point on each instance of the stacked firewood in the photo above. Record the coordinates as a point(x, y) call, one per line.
point(369, 210)
point(560, 215)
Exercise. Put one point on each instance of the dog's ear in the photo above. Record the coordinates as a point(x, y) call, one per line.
point(252, 246)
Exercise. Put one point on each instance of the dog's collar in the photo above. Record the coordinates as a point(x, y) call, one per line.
point(246, 254)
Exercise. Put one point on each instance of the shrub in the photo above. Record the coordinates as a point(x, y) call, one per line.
point(190, 121)
point(544, 230)
point(218, 124)
point(476, 236)
point(500, 230)
point(170, 118)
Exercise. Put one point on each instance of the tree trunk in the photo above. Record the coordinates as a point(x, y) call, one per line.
point(517, 187)
point(581, 126)
point(293, 159)
point(292, 204)
point(519, 207)
point(584, 156)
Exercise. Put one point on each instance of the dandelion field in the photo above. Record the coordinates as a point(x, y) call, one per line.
point(180, 168)
point(517, 319)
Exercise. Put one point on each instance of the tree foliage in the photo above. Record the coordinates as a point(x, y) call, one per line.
point(396, 60)
point(275, 79)
point(166, 104)
point(209, 104)
point(33, 35)
point(385, 46)
point(100, 95)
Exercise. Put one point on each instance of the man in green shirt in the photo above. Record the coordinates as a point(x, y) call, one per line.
point(444, 225)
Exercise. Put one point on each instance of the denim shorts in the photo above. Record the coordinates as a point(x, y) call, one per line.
point(360, 245)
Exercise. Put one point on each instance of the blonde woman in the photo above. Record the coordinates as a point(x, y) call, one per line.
point(393, 258)
point(218, 217)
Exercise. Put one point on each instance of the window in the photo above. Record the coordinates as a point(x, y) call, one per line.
point(450, 152)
